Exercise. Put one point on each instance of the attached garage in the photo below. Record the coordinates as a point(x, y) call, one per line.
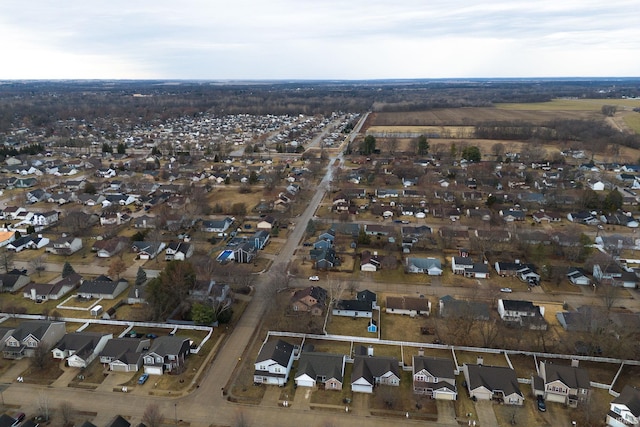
point(305, 381)
point(361, 386)
point(153, 369)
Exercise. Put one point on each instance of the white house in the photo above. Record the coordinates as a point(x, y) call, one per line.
point(80, 348)
point(624, 410)
point(273, 363)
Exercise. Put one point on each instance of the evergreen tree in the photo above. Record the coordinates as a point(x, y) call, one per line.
point(67, 270)
point(141, 276)
point(106, 148)
point(423, 146)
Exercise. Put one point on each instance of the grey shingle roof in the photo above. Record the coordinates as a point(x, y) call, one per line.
point(321, 364)
point(572, 377)
point(436, 366)
point(493, 378)
point(278, 351)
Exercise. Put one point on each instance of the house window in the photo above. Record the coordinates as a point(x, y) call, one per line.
point(617, 410)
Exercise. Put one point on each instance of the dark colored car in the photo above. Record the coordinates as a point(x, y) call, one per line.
point(152, 336)
point(542, 407)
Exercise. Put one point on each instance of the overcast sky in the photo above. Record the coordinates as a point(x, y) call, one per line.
point(318, 39)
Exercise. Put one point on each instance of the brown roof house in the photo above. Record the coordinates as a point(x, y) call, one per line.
point(410, 306)
point(311, 299)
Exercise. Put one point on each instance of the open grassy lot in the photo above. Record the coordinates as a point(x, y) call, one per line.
point(599, 372)
point(523, 365)
point(103, 328)
point(409, 352)
point(43, 376)
point(326, 346)
point(489, 359)
point(351, 326)
point(94, 374)
point(401, 327)
point(571, 105)
point(630, 375)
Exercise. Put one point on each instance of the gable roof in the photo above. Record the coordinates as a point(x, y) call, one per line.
point(630, 397)
point(37, 328)
point(167, 345)
point(493, 378)
point(571, 376)
point(321, 364)
point(371, 367)
point(436, 366)
point(279, 351)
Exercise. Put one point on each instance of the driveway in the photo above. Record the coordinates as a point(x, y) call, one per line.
point(486, 416)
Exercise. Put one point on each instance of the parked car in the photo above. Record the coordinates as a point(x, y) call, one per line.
point(506, 290)
point(314, 278)
point(18, 419)
point(542, 407)
point(152, 336)
point(143, 379)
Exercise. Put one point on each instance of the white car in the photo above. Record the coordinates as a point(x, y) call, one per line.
point(507, 290)
point(314, 278)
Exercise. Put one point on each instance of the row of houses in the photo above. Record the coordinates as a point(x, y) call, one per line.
point(432, 377)
point(159, 355)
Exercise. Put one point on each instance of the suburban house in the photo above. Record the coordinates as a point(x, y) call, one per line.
point(167, 354)
point(578, 276)
point(273, 363)
point(145, 222)
point(460, 264)
point(216, 225)
point(522, 313)
point(267, 223)
point(312, 299)
point(370, 371)
point(362, 306)
point(564, 384)
point(493, 383)
point(178, 251)
point(102, 287)
point(44, 219)
point(124, 354)
point(30, 335)
point(369, 261)
point(147, 250)
point(14, 280)
point(109, 247)
point(434, 377)
point(80, 348)
point(324, 258)
point(320, 369)
point(624, 410)
point(65, 245)
point(46, 291)
point(511, 269)
point(430, 266)
point(411, 306)
point(260, 239)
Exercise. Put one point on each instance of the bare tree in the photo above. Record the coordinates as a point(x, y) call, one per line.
point(44, 406)
point(40, 357)
point(66, 412)
point(388, 396)
point(6, 259)
point(117, 267)
point(37, 264)
point(152, 416)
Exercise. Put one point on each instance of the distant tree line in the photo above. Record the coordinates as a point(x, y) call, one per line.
point(30, 149)
point(112, 106)
point(557, 130)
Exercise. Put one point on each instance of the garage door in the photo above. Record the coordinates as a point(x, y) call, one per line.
point(356, 388)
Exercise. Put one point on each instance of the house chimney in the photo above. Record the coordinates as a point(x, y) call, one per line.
point(421, 352)
point(370, 351)
point(137, 293)
point(480, 360)
point(575, 363)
